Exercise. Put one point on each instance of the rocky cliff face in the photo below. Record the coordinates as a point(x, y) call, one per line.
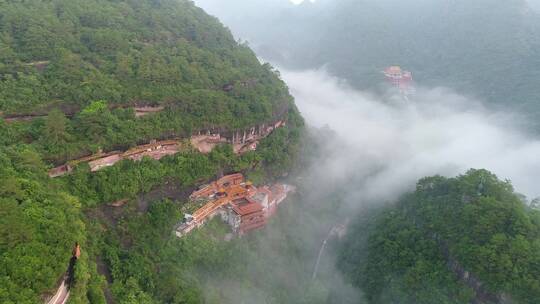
point(482, 294)
point(242, 140)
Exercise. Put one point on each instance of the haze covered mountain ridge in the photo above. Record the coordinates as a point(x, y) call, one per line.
point(482, 48)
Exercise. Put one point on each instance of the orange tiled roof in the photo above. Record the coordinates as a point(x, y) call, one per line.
point(230, 178)
point(245, 207)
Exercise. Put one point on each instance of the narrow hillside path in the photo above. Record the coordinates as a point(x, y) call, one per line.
point(61, 296)
point(337, 230)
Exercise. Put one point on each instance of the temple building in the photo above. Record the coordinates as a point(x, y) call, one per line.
point(400, 79)
point(240, 204)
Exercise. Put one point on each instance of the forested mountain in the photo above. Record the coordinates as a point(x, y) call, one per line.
point(67, 54)
point(74, 72)
point(71, 72)
point(39, 223)
point(453, 240)
point(482, 48)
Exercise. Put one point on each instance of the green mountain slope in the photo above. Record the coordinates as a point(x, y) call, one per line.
point(39, 223)
point(451, 241)
point(67, 54)
point(71, 73)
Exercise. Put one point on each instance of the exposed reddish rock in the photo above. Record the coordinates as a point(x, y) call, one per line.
point(104, 162)
point(59, 171)
point(119, 203)
point(145, 110)
point(100, 160)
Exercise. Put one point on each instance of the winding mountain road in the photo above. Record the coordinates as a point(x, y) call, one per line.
point(337, 230)
point(61, 296)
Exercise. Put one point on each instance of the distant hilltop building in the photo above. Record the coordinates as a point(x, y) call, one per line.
point(400, 79)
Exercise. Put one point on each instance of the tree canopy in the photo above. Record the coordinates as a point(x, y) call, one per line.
point(94, 60)
point(474, 223)
point(71, 72)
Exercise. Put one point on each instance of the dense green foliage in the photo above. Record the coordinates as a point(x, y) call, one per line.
point(39, 223)
point(69, 54)
point(78, 67)
point(473, 220)
point(148, 264)
point(275, 155)
point(273, 265)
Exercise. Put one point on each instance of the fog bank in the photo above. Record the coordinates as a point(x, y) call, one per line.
point(387, 145)
point(368, 151)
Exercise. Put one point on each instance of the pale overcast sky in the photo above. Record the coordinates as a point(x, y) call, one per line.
point(299, 1)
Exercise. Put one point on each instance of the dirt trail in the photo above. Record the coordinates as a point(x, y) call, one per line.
point(62, 294)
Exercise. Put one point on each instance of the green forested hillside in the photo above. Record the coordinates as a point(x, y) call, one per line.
point(273, 265)
point(474, 223)
point(39, 223)
point(78, 68)
point(67, 55)
point(41, 219)
point(121, 51)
